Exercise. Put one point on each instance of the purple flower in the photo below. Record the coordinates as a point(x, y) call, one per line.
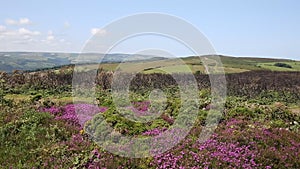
point(154, 132)
point(75, 113)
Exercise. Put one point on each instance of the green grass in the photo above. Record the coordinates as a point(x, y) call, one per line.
point(270, 66)
point(185, 65)
point(176, 69)
point(18, 97)
point(178, 65)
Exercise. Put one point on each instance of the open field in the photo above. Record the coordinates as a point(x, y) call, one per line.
point(270, 66)
point(194, 64)
point(146, 64)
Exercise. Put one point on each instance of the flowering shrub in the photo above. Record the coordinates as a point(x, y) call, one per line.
point(210, 154)
point(250, 135)
point(275, 147)
point(140, 109)
point(153, 132)
point(75, 113)
point(237, 143)
point(142, 106)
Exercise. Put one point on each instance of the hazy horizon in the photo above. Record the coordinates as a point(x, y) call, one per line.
point(179, 56)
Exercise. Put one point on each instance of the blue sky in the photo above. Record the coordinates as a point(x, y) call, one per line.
point(265, 28)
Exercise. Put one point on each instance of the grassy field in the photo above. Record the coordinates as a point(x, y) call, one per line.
point(270, 66)
point(33, 61)
point(194, 64)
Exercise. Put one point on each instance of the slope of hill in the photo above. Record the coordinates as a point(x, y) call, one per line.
point(241, 64)
point(194, 64)
point(10, 61)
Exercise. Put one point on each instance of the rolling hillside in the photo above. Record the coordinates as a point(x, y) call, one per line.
point(10, 61)
point(194, 64)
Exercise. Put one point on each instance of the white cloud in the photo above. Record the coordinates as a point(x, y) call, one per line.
point(18, 33)
point(21, 21)
point(23, 31)
point(11, 22)
point(24, 21)
point(50, 37)
point(98, 31)
point(21, 36)
point(16, 37)
point(8, 33)
point(2, 28)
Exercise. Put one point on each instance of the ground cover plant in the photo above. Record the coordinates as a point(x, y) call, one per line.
point(40, 128)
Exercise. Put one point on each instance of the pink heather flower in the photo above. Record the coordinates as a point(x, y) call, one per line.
point(154, 132)
point(75, 113)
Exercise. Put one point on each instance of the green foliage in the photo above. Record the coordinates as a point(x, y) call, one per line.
point(36, 97)
point(198, 72)
point(25, 134)
point(104, 97)
point(241, 111)
point(159, 123)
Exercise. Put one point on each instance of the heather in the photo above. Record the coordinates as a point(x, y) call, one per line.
point(45, 129)
point(76, 114)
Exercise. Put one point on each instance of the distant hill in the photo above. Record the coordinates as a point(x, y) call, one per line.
point(10, 61)
point(241, 64)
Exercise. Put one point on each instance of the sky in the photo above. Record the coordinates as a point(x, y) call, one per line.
point(262, 28)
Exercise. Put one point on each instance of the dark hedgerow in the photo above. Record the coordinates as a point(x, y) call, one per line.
point(283, 65)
